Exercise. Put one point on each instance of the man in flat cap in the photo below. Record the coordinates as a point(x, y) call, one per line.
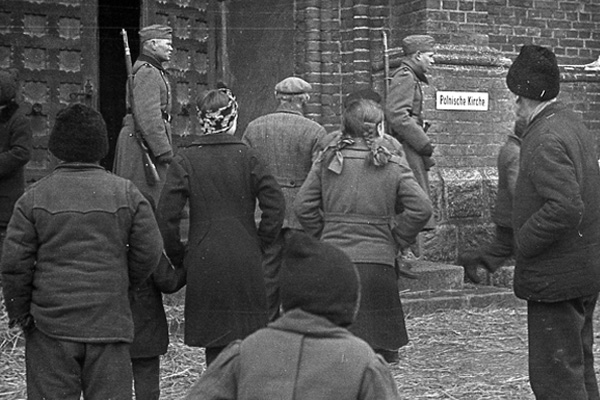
point(152, 98)
point(556, 221)
point(288, 143)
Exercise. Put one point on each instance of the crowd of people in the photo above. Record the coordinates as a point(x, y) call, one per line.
point(294, 241)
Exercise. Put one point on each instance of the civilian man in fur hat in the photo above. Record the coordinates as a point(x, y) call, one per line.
point(15, 148)
point(307, 353)
point(288, 143)
point(152, 97)
point(556, 221)
point(77, 241)
point(404, 107)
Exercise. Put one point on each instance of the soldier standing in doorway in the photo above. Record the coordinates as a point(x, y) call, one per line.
point(152, 95)
point(145, 142)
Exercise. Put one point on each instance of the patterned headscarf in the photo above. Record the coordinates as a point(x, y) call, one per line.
point(221, 119)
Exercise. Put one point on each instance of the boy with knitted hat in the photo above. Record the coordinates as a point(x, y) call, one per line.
point(77, 241)
point(307, 353)
point(556, 221)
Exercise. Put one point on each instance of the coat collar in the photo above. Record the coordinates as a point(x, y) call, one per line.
point(284, 108)
point(145, 58)
point(217, 138)
point(418, 71)
point(77, 166)
point(305, 323)
point(549, 109)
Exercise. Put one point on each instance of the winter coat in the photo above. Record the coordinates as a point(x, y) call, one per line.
point(358, 210)
point(405, 115)
point(152, 95)
point(299, 356)
point(222, 179)
point(556, 210)
point(508, 171)
point(15, 152)
point(287, 141)
point(79, 238)
point(151, 337)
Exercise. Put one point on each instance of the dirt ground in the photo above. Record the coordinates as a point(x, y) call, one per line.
point(471, 354)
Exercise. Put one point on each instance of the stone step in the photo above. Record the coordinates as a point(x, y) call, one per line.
point(471, 296)
point(432, 276)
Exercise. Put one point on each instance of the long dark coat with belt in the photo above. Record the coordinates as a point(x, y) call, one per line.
point(222, 179)
point(404, 112)
point(152, 95)
point(15, 151)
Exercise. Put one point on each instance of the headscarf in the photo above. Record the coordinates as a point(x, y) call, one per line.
point(221, 119)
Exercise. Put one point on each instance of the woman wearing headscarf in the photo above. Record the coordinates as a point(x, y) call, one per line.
point(222, 179)
point(353, 198)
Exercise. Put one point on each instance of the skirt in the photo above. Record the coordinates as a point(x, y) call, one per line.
point(380, 319)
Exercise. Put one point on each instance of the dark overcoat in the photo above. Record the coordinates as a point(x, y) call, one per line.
point(556, 209)
point(152, 96)
point(404, 112)
point(222, 179)
point(15, 151)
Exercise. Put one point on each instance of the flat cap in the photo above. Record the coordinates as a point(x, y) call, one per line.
point(293, 85)
point(155, 32)
point(412, 44)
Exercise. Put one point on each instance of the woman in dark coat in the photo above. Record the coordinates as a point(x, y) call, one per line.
point(222, 179)
point(352, 199)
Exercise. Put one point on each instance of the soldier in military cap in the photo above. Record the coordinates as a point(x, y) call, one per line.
point(288, 142)
point(152, 97)
point(405, 106)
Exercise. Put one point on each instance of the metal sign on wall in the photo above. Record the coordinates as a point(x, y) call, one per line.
point(468, 101)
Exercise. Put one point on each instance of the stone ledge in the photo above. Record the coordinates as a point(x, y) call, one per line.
point(472, 296)
point(432, 276)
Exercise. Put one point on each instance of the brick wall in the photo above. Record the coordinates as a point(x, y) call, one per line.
point(478, 40)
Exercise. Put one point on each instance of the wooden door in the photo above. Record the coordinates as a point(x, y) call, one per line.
point(189, 68)
point(53, 45)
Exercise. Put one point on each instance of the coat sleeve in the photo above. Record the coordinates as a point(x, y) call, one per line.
point(18, 152)
point(147, 88)
point(219, 381)
point(173, 198)
point(555, 180)
point(399, 106)
point(145, 242)
point(414, 202)
point(270, 200)
point(378, 382)
point(308, 204)
point(18, 261)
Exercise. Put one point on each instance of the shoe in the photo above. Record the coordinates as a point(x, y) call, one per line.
point(390, 356)
point(404, 270)
point(470, 262)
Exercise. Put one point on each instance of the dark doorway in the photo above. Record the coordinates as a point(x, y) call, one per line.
point(114, 15)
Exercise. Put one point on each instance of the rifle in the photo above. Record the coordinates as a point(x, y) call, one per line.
point(386, 66)
point(152, 177)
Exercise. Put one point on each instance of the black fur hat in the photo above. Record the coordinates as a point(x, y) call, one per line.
point(534, 74)
point(318, 278)
point(79, 135)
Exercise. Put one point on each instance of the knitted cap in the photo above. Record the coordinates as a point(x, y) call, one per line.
point(293, 85)
point(79, 135)
point(155, 32)
point(534, 74)
point(8, 86)
point(318, 278)
point(412, 44)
